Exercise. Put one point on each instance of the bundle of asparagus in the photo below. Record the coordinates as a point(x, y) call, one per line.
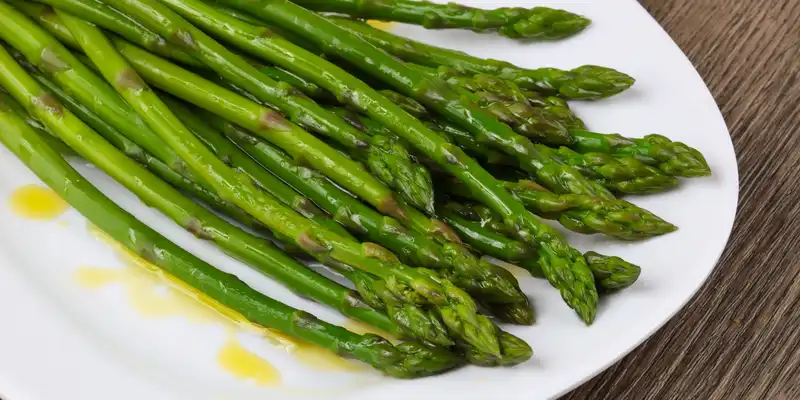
point(326, 135)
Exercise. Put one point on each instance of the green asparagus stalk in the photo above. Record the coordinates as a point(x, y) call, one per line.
point(468, 273)
point(301, 146)
point(406, 360)
point(202, 15)
point(549, 119)
point(457, 309)
point(388, 160)
point(671, 158)
point(411, 247)
point(12, 106)
point(407, 320)
point(198, 188)
point(610, 273)
point(589, 82)
point(622, 175)
point(105, 16)
point(236, 159)
point(512, 22)
point(47, 54)
point(432, 92)
point(517, 311)
point(138, 154)
point(111, 19)
point(617, 218)
point(565, 267)
point(583, 214)
point(48, 19)
point(391, 167)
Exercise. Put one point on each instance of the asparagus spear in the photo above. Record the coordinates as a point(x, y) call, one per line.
point(48, 19)
point(206, 95)
point(617, 218)
point(108, 17)
point(378, 228)
point(413, 217)
point(610, 273)
point(391, 167)
point(623, 175)
point(198, 188)
point(235, 241)
point(242, 163)
point(671, 158)
point(584, 214)
point(589, 82)
point(408, 321)
point(549, 120)
point(140, 155)
point(112, 19)
point(512, 22)
point(457, 309)
point(500, 289)
point(566, 269)
point(546, 203)
point(406, 360)
point(47, 54)
point(388, 160)
point(413, 248)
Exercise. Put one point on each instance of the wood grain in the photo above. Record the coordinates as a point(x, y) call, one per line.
point(740, 336)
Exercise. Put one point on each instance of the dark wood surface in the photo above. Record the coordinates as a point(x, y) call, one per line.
point(740, 336)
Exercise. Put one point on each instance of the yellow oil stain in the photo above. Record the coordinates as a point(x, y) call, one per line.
point(243, 364)
point(313, 356)
point(37, 202)
point(154, 292)
point(157, 294)
point(382, 25)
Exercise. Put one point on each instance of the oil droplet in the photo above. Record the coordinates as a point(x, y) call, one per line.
point(37, 202)
point(243, 364)
point(382, 25)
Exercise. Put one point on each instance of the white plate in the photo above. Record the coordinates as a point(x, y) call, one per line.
point(59, 339)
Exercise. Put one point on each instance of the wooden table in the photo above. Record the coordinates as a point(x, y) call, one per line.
point(740, 336)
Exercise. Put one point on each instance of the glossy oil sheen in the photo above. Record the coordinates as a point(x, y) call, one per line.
point(37, 202)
